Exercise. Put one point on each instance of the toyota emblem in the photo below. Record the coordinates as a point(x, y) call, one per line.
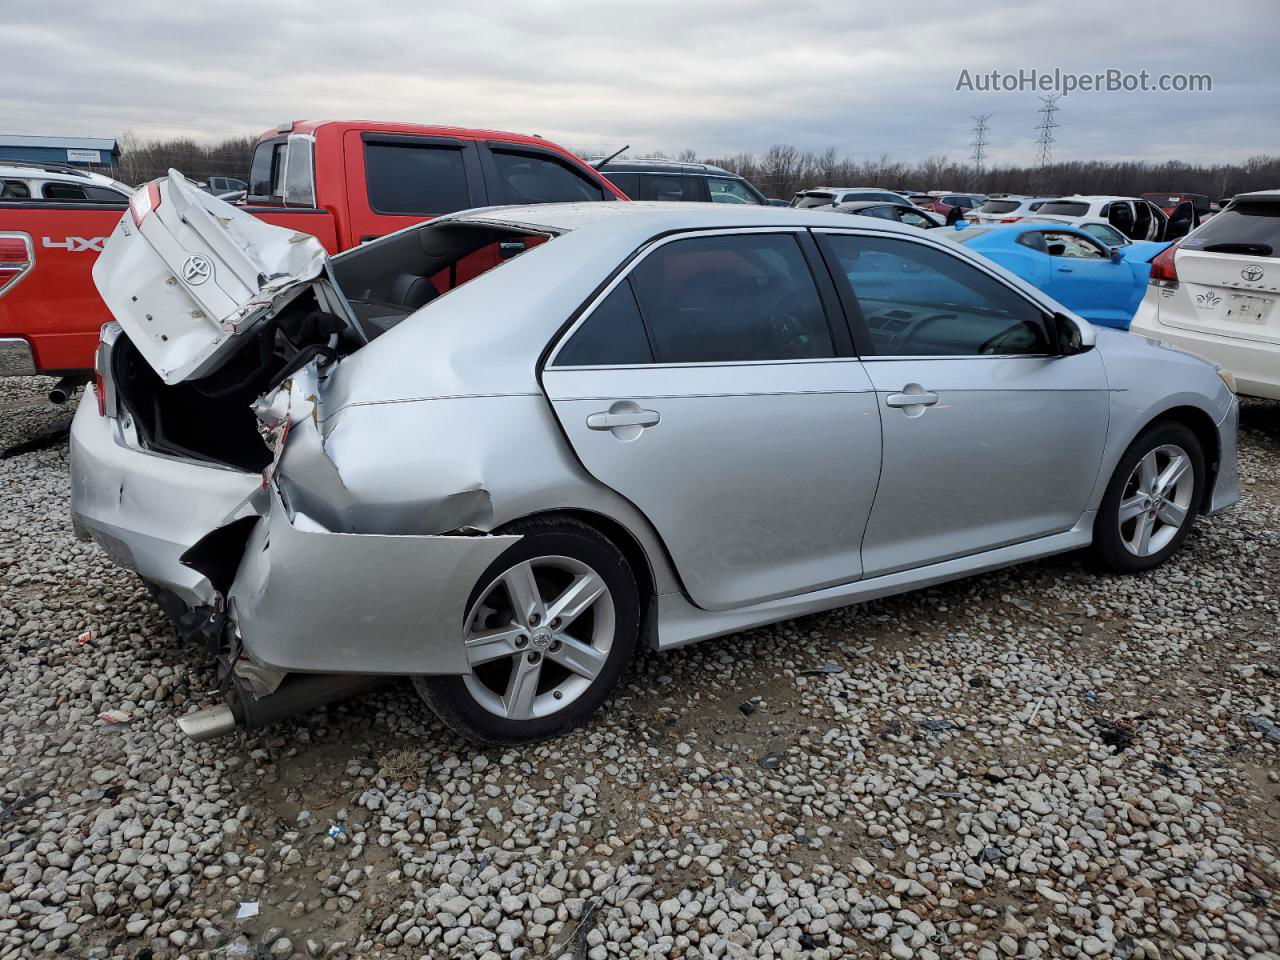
point(196, 270)
point(1251, 273)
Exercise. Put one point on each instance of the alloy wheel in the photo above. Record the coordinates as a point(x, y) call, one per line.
point(538, 637)
point(1156, 502)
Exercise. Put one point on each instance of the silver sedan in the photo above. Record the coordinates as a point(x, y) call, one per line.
point(498, 451)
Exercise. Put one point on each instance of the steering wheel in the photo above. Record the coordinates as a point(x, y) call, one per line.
point(993, 344)
point(787, 335)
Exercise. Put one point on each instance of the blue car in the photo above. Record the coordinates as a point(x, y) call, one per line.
point(1102, 284)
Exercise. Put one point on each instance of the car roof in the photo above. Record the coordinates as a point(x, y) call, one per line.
point(847, 190)
point(650, 217)
point(647, 164)
point(1273, 195)
point(39, 172)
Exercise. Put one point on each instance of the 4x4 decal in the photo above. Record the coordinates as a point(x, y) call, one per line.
point(75, 244)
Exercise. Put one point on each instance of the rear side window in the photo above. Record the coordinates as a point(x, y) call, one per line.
point(731, 298)
point(628, 183)
point(1250, 228)
point(535, 178)
point(14, 190)
point(425, 180)
point(64, 191)
point(918, 301)
point(614, 334)
point(673, 188)
point(1065, 208)
point(299, 189)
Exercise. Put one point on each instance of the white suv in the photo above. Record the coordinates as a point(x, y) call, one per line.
point(55, 183)
point(1136, 218)
point(1006, 209)
point(1217, 293)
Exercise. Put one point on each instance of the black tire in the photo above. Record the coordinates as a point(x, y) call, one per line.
point(1109, 549)
point(449, 697)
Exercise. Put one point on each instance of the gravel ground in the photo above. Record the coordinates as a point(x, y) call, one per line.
point(1039, 762)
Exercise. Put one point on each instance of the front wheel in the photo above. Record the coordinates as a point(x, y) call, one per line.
point(1151, 501)
point(549, 629)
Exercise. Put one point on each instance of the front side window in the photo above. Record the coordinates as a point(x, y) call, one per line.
point(299, 188)
point(884, 213)
point(914, 219)
point(533, 178)
point(1108, 235)
point(731, 298)
point(919, 301)
point(628, 183)
point(724, 190)
point(612, 335)
point(1072, 246)
point(425, 180)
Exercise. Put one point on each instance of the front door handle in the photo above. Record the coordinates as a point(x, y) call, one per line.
point(630, 418)
point(1064, 270)
point(922, 399)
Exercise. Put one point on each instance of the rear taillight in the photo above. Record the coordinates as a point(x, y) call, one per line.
point(16, 258)
point(101, 360)
point(145, 200)
point(1164, 273)
point(1010, 219)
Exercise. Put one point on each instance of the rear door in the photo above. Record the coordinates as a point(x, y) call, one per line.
point(708, 386)
point(989, 438)
point(1229, 275)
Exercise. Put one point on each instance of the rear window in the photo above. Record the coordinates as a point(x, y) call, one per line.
point(419, 180)
point(1000, 206)
point(535, 178)
point(1248, 228)
point(805, 200)
point(970, 233)
point(1065, 208)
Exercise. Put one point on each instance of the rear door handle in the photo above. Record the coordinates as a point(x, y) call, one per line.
point(925, 399)
point(636, 418)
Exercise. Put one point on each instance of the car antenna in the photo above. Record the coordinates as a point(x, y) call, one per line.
point(613, 156)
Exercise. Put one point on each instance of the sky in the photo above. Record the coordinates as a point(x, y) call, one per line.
point(713, 76)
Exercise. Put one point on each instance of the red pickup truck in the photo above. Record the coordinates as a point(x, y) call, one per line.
point(343, 182)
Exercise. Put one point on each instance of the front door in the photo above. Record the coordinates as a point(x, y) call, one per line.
point(1084, 278)
point(988, 439)
point(708, 387)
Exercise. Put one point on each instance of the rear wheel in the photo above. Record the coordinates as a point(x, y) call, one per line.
point(1150, 503)
point(549, 630)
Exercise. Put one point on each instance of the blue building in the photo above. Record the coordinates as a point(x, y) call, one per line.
point(79, 151)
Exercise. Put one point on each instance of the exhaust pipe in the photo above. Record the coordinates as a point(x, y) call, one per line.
point(298, 693)
point(65, 389)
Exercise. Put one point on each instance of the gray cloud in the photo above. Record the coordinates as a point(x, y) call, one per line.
point(718, 76)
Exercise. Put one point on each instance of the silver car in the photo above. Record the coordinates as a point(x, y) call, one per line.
point(498, 451)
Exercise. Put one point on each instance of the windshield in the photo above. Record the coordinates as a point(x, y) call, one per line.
point(1250, 228)
point(814, 199)
point(1000, 206)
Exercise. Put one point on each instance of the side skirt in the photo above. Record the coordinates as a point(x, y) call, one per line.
point(680, 622)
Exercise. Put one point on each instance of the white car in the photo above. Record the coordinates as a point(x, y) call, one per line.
point(1134, 217)
point(1217, 294)
point(58, 183)
point(1006, 209)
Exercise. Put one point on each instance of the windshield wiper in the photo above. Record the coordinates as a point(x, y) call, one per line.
point(1248, 249)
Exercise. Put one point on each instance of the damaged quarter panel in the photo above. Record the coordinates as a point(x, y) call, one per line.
point(312, 601)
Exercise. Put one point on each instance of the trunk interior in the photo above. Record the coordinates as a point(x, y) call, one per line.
point(211, 419)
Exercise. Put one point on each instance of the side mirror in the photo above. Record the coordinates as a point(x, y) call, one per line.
point(1072, 335)
point(1116, 255)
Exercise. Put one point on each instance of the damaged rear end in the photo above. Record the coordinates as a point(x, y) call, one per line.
point(200, 461)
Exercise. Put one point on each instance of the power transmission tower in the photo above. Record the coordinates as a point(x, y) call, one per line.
point(979, 144)
point(1046, 139)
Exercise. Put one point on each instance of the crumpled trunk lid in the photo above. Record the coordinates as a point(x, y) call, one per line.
point(189, 276)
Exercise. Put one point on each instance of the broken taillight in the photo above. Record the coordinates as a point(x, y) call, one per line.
point(145, 200)
point(1164, 273)
point(16, 258)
